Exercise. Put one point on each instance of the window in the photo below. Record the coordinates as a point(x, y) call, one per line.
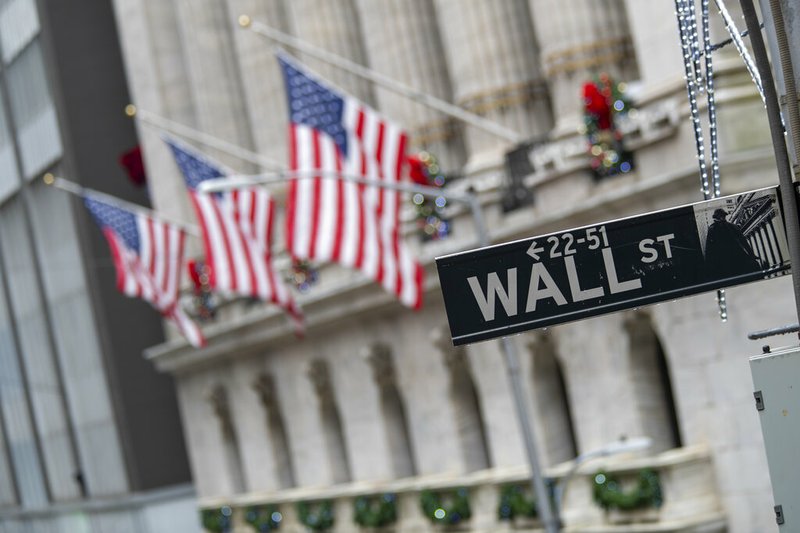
point(34, 112)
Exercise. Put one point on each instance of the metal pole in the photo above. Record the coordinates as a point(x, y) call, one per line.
point(248, 180)
point(549, 518)
point(382, 80)
point(73, 188)
point(788, 195)
point(165, 124)
point(778, 36)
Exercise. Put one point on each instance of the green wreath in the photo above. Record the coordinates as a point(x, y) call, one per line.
point(446, 507)
point(514, 502)
point(216, 520)
point(263, 517)
point(317, 515)
point(647, 493)
point(375, 511)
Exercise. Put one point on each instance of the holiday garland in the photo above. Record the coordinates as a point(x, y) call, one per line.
point(446, 507)
point(425, 170)
point(375, 511)
point(216, 520)
point(303, 275)
point(604, 101)
point(263, 517)
point(200, 274)
point(317, 516)
point(608, 491)
point(515, 502)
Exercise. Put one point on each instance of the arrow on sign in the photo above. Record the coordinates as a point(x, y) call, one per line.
point(533, 251)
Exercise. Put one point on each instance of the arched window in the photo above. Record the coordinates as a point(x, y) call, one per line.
point(264, 385)
point(331, 422)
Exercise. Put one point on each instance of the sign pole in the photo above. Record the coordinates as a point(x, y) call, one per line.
point(549, 519)
point(549, 515)
point(788, 195)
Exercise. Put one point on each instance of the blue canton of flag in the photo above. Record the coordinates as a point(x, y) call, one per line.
point(236, 228)
point(121, 222)
point(195, 169)
point(148, 258)
point(331, 133)
point(314, 105)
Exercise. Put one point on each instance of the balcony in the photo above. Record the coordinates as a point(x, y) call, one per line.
point(459, 503)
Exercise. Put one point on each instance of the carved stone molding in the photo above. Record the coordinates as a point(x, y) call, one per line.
point(379, 357)
point(264, 386)
point(217, 397)
point(320, 377)
point(454, 356)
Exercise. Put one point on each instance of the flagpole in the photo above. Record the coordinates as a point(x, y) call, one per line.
point(73, 188)
point(549, 515)
point(384, 81)
point(163, 123)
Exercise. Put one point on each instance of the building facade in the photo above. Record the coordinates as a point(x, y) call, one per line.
point(375, 399)
point(90, 438)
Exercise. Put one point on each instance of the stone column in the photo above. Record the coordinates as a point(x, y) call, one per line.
point(492, 57)
point(551, 408)
point(261, 76)
point(335, 27)
point(283, 469)
point(392, 410)
point(217, 398)
point(213, 70)
point(588, 38)
point(596, 355)
point(466, 403)
point(335, 444)
point(403, 42)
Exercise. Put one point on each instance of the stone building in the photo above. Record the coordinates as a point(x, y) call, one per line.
point(90, 438)
point(375, 399)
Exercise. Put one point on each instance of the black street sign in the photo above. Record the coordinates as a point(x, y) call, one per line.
point(566, 276)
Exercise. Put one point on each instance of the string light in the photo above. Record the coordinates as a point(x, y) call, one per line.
point(682, 9)
point(712, 129)
point(690, 46)
point(740, 47)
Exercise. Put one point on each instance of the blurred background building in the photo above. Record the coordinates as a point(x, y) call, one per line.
point(375, 401)
point(90, 437)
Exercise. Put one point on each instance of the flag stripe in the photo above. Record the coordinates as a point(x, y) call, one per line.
point(328, 219)
point(148, 258)
point(237, 230)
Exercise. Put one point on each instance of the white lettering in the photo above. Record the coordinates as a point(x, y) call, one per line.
point(613, 282)
point(550, 290)
point(578, 294)
point(665, 239)
point(494, 287)
point(645, 246)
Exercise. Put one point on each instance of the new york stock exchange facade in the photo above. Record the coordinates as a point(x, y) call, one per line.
point(374, 411)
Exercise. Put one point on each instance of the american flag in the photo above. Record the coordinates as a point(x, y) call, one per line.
point(148, 257)
point(237, 233)
point(335, 220)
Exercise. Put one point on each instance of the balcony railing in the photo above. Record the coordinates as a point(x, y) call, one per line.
point(688, 501)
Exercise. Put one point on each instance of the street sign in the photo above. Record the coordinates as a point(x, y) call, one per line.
point(621, 264)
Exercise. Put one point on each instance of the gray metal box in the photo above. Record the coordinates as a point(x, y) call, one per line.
point(776, 377)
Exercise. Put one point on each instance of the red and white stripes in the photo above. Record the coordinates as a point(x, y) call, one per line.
point(357, 225)
point(237, 237)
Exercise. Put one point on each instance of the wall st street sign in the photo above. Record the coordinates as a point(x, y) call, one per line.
point(593, 270)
